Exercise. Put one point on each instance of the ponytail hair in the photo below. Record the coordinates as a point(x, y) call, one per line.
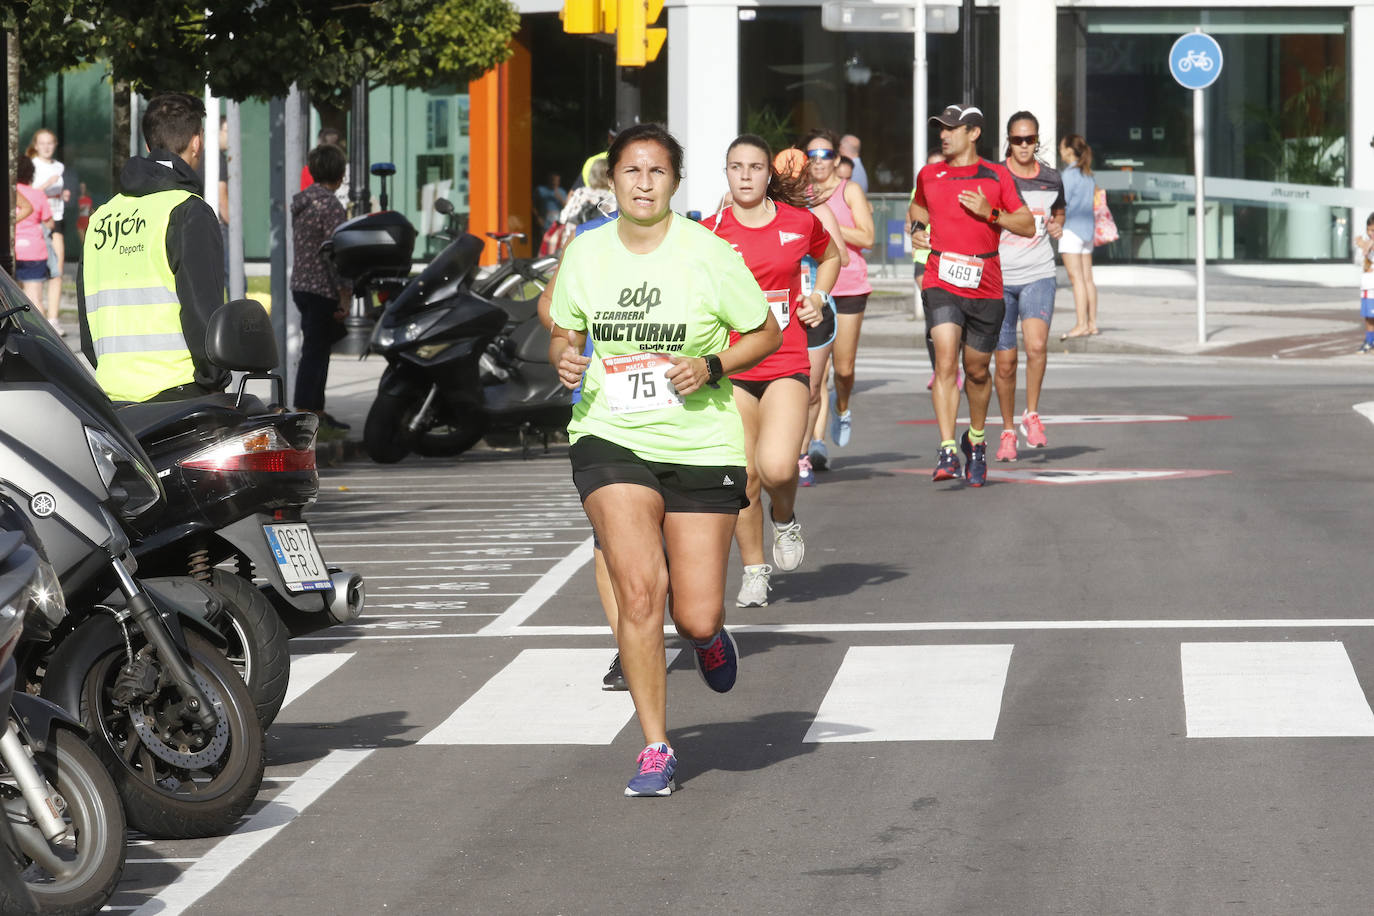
point(787, 188)
point(1081, 150)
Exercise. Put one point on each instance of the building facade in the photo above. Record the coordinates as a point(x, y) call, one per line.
point(1289, 123)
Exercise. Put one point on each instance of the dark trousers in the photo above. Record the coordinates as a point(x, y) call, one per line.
point(319, 331)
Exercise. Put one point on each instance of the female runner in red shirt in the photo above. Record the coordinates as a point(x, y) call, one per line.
point(768, 224)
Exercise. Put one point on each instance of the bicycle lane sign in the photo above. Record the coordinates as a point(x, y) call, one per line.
point(1195, 60)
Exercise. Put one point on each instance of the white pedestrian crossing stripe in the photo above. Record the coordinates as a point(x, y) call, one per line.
point(914, 693)
point(544, 696)
point(1272, 690)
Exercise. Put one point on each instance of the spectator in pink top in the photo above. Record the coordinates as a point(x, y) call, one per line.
point(30, 251)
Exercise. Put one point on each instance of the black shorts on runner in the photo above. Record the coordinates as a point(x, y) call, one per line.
point(981, 319)
point(851, 305)
point(823, 334)
point(757, 386)
point(684, 487)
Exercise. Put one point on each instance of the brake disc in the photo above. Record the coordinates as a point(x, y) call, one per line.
point(145, 724)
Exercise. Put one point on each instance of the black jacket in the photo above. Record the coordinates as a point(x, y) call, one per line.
point(195, 252)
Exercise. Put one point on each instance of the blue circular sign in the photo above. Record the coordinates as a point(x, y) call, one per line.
point(1195, 60)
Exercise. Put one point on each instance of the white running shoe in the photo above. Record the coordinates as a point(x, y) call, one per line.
point(753, 592)
point(788, 546)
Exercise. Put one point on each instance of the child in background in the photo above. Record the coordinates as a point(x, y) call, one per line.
point(1365, 246)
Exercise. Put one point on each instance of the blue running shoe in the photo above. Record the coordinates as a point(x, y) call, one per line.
point(718, 662)
point(841, 424)
point(819, 455)
point(657, 764)
point(947, 468)
point(976, 457)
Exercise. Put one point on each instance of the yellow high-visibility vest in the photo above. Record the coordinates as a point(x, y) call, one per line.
point(131, 298)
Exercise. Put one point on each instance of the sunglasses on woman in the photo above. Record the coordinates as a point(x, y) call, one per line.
point(820, 154)
point(1023, 141)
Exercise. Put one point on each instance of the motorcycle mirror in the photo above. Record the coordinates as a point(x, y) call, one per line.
point(443, 205)
point(239, 337)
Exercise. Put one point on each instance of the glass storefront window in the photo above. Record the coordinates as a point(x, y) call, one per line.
point(1276, 120)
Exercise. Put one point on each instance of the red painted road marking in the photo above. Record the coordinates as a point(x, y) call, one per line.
point(1073, 419)
point(1063, 476)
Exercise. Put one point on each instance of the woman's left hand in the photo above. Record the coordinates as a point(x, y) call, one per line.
point(688, 374)
point(810, 312)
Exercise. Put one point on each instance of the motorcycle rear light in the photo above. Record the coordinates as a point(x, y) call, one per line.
point(263, 450)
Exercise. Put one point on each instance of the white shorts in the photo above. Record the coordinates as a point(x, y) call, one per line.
point(1069, 243)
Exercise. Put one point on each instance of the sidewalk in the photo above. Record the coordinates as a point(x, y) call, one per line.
point(1245, 317)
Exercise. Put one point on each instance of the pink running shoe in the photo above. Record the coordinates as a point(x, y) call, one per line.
point(1034, 430)
point(1006, 447)
point(805, 476)
point(960, 383)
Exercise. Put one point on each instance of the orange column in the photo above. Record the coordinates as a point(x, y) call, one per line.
point(486, 159)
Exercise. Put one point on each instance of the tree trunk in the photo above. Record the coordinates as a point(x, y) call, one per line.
point(119, 125)
point(331, 116)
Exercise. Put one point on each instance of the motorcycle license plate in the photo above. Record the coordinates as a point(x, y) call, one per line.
point(293, 547)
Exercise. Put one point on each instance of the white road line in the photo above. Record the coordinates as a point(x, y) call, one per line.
point(423, 561)
point(541, 543)
point(177, 861)
point(440, 596)
point(914, 693)
point(430, 477)
point(988, 625)
point(309, 670)
point(478, 575)
point(435, 614)
point(1272, 690)
point(1366, 410)
point(544, 696)
point(360, 637)
point(541, 591)
point(252, 834)
point(540, 512)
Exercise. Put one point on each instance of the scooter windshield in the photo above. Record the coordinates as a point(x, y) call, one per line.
point(454, 263)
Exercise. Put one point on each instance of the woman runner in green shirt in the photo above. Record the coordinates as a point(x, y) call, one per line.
point(657, 443)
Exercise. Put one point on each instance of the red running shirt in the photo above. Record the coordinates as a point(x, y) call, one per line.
point(773, 253)
point(955, 230)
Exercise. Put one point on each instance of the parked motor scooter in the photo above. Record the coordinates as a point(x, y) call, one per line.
point(57, 797)
point(237, 475)
point(459, 365)
point(137, 661)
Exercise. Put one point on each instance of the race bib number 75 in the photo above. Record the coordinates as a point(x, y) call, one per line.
point(636, 381)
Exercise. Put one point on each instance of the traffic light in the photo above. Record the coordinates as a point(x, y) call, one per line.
point(581, 17)
point(636, 42)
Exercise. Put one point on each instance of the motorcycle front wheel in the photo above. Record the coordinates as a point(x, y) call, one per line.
point(76, 874)
point(257, 642)
point(176, 780)
point(386, 434)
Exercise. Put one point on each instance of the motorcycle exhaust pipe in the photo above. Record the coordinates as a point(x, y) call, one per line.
point(37, 795)
point(349, 596)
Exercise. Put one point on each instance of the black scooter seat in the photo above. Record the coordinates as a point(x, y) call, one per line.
point(519, 310)
point(154, 421)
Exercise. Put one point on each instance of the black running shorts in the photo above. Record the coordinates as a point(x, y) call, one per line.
point(684, 487)
point(757, 387)
point(981, 319)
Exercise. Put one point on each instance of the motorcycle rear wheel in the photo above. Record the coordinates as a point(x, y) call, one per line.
point(92, 853)
point(257, 642)
point(170, 799)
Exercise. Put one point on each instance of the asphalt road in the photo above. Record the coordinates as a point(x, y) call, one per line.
point(1130, 675)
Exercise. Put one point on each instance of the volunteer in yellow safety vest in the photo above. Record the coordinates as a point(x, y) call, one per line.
point(152, 267)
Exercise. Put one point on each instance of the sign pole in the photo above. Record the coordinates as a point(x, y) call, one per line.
point(920, 135)
point(1200, 216)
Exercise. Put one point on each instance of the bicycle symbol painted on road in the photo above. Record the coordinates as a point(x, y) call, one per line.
point(1199, 59)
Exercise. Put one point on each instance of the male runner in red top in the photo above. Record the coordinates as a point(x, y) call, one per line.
point(969, 201)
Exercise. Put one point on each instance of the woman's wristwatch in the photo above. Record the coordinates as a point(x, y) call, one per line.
point(713, 366)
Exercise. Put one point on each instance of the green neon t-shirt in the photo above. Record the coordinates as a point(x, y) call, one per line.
point(683, 299)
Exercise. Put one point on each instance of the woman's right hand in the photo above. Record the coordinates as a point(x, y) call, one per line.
point(572, 365)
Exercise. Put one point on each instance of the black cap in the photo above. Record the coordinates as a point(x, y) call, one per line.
point(960, 116)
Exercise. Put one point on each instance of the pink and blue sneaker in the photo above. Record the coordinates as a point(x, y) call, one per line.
point(657, 764)
point(718, 661)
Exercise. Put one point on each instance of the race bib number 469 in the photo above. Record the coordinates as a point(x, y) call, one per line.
point(636, 381)
point(961, 270)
